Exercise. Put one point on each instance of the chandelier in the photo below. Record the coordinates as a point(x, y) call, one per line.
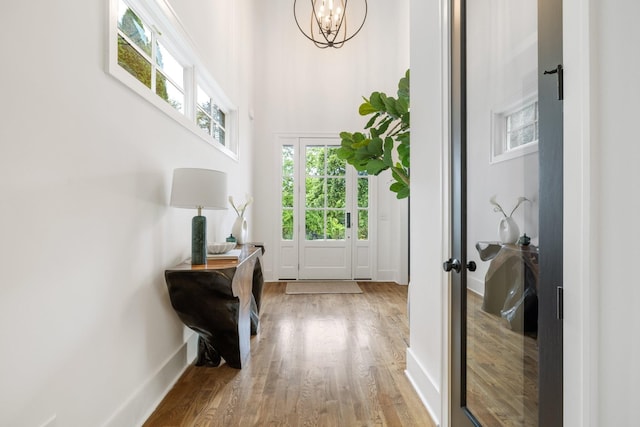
point(328, 22)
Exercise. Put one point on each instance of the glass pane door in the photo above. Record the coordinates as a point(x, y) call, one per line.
point(502, 212)
point(325, 244)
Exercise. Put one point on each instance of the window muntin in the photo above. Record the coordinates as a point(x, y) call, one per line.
point(148, 45)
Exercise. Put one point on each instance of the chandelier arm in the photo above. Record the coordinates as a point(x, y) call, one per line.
point(325, 34)
point(295, 16)
point(366, 9)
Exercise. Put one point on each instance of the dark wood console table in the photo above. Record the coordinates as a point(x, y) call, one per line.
point(511, 284)
point(221, 302)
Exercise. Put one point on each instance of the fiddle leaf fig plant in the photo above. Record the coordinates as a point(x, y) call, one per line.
point(385, 142)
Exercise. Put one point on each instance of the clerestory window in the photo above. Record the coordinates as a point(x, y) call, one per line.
point(148, 53)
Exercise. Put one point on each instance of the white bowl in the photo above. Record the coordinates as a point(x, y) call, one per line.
point(220, 247)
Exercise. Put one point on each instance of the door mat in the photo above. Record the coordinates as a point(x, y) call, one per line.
point(326, 287)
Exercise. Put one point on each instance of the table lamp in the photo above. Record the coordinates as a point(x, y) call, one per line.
point(199, 189)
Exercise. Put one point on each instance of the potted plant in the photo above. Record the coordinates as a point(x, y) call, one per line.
point(385, 145)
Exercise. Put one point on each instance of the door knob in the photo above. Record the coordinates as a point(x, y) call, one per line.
point(452, 264)
point(471, 266)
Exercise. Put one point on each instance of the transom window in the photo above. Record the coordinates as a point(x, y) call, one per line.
point(515, 130)
point(148, 53)
point(210, 117)
point(138, 45)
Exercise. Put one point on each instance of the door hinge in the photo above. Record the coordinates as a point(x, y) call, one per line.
point(559, 302)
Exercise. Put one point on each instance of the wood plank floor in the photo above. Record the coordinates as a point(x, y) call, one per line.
point(318, 360)
point(502, 370)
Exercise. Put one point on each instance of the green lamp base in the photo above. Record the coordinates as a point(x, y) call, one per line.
point(199, 240)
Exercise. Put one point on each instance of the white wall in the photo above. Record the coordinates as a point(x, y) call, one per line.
point(428, 288)
point(301, 89)
point(601, 204)
point(88, 335)
point(501, 71)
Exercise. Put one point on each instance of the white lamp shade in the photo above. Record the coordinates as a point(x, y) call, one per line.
point(199, 188)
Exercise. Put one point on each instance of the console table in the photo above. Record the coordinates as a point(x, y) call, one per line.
point(511, 284)
point(220, 300)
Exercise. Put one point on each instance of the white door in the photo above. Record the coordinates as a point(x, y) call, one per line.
point(325, 213)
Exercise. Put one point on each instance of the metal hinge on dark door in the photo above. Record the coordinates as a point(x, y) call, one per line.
point(559, 302)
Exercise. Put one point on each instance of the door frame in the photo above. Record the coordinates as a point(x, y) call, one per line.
point(287, 257)
point(550, 329)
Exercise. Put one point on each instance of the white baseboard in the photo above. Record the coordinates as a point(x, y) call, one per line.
point(387, 276)
point(139, 406)
point(427, 389)
point(476, 285)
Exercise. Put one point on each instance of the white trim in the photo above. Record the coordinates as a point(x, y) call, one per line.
point(141, 404)
point(445, 220)
point(423, 384)
point(581, 269)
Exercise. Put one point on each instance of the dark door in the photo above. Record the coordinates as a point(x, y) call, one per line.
point(506, 239)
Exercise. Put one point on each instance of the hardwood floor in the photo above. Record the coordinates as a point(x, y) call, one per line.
point(318, 360)
point(502, 370)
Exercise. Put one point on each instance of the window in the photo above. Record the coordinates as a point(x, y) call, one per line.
point(148, 53)
point(210, 117)
point(137, 46)
point(287, 192)
point(522, 126)
point(363, 205)
point(515, 131)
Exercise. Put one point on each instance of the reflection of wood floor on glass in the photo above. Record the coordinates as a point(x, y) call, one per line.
point(502, 370)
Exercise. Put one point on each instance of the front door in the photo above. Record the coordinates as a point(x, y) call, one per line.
point(325, 208)
point(506, 263)
point(324, 212)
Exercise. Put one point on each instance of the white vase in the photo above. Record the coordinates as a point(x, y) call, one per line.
point(239, 230)
point(508, 230)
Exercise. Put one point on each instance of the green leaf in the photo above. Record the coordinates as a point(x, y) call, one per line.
point(375, 147)
point(362, 153)
point(384, 125)
point(397, 186)
point(403, 86)
point(359, 137)
point(403, 194)
point(346, 135)
point(366, 109)
point(388, 149)
point(402, 105)
point(376, 100)
point(375, 166)
point(372, 120)
point(390, 104)
point(344, 153)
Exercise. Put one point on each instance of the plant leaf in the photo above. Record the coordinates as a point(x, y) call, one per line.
point(372, 120)
point(377, 100)
point(366, 108)
point(375, 166)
